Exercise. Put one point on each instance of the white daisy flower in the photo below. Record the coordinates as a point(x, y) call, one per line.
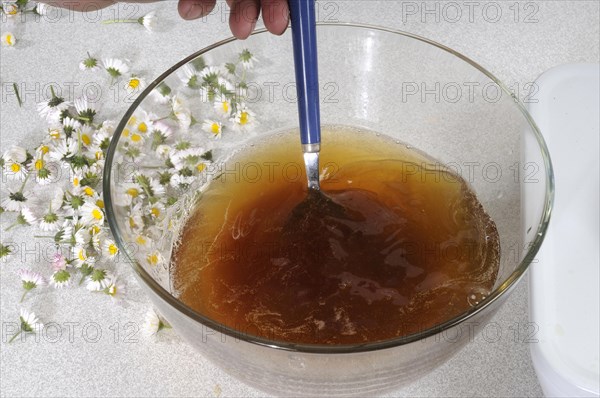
point(190, 77)
point(243, 119)
point(60, 279)
point(135, 84)
point(14, 171)
point(247, 59)
point(86, 135)
point(52, 109)
point(115, 67)
point(15, 154)
point(115, 289)
point(29, 215)
point(156, 211)
point(164, 151)
point(110, 248)
point(222, 105)
point(29, 324)
point(56, 133)
point(70, 125)
point(85, 109)
point(30, 280)
point(80, 255)
point(8, 39)
point(89, 64)
point(10, 8)
point(179, 181)
point(154, 323)
point(63, 149)
point(92, 214)
point(148, 21)
point(98, 280)
point(213, 127)
point(59, 262)
point(15, 201)
point(161, 94)
point(210, 74)
point(42, 9)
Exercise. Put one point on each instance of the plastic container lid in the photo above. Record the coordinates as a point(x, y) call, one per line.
point(565, 280)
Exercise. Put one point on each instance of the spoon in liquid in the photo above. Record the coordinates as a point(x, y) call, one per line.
point(316, 205)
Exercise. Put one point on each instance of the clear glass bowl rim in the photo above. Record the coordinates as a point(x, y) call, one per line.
point(504, 288)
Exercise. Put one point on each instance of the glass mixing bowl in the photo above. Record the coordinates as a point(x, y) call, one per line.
point(417, 92)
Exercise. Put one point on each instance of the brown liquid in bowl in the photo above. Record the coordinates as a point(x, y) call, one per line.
point(410, 249)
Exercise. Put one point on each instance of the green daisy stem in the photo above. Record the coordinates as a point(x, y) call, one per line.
point(79, 142)
point(11, 226)
point(15, 336)
point(24, 182)
point(23, 296)
point(82, 279)
point(111, 21)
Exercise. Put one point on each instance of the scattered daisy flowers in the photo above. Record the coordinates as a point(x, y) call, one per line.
point(29, 323)
point(30, 280)
point(154, 323)
point(8, 39)
point(56, 187)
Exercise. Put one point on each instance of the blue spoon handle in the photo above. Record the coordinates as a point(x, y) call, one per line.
point(304, 39)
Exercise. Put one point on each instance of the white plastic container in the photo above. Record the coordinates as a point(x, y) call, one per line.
point(565, 279)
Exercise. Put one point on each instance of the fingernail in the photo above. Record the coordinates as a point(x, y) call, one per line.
point(193, 11)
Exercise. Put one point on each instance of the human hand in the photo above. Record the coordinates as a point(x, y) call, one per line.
point(243, 17)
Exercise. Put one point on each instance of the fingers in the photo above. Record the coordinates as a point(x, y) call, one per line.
point(244, 14)
point(193, 9)
point(275, 14)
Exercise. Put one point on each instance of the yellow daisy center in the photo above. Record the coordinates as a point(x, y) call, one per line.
point(225, 105)
point(113, 249)
point(141, 240)
point(95, 230)
point(132, 120)
point(134, 83)
point(155, 211)
point(88, 191)
point(39, 164)
point(9, 39)
point(143, 127)
point(126, 133)
point(86, 139)
point(75, 182)
point(15, 167)
point(44, 149)
point(244, 118)
point(81, 255)
point(201, 167)
point(132, 223)
point(152, 259)
point(133, 192)
point(97, 214)
point(100, 203)
point(215, 128)
point(136, 138)
point(55, 134)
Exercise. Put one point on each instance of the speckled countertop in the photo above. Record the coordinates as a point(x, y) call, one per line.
point(516, 40)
